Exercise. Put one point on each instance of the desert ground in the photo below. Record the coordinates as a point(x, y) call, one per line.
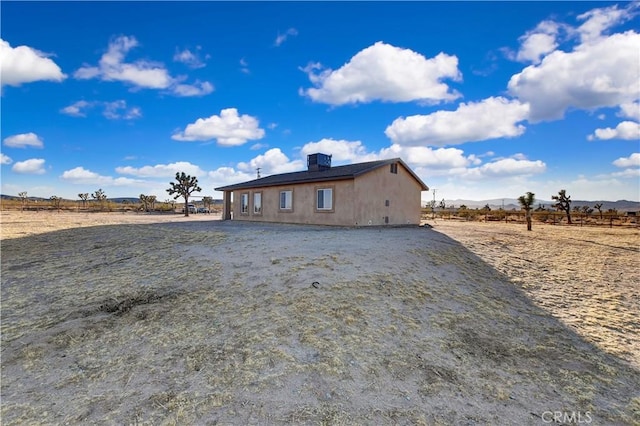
point(112, 318)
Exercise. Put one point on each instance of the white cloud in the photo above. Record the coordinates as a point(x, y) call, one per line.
point(385, 72)
point(162, 170)
point(199, 88)
point(141, 74)
point(630, 110)
point(24, 140)
point(422, 156)
point(489, 119)
point(273, 161)
point(189, 58)
point(112, 110)
point(118, 110)
point(34, 166)
point(631, 161)
point(5, 159)
point(281, 38)
point(229, 129)
point(517, 166)
point(603, 73)
point(597, 21)
point(340, 150)
point(80, 175)
point(627, 130)
point(244, 66)
point(228, 176)
point(537, 43)
point(24, 64)
point(77, 109)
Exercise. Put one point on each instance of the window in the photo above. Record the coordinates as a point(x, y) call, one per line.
point(244, 203)
point(325, 199)
point(394, 168)
point(286, 200)
point(257, 203)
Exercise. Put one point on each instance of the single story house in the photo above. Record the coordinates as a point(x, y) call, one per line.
point(385, 192)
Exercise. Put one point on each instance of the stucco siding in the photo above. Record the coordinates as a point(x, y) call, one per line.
point(381, 194)
point(304, 204)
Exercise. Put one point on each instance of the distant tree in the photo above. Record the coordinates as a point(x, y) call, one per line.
point(563, 203)
point(526, 202)
point(442, 204)
point(145, 202)
point(207, 201)
point(599, 208)
point(24, 199)
point(587, 210)
point(84, 197)
point(184, 187)
point(171, 202)
point(487, 208)
point(55, 202)
point(99, 196)
point(152, 201)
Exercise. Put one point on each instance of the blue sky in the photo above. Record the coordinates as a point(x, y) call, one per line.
point(482, 99)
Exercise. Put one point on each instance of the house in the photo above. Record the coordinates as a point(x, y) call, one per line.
point(385, 192)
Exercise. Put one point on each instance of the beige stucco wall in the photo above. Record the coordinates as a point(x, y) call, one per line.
point(356, 202)
point(372, 191)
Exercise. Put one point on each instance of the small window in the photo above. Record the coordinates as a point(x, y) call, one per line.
point(394, 168)
point(257, 203)
point(286, 200)
point(244, 203)
point(325, 199)
point(386, 203)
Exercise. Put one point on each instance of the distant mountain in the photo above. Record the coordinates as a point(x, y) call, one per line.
point(512, 203)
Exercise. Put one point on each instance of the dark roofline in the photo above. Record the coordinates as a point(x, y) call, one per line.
point(349, 171)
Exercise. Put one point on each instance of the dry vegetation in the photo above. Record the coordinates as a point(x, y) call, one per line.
point(145, 319)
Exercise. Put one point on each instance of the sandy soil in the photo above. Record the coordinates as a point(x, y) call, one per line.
point(150, 319)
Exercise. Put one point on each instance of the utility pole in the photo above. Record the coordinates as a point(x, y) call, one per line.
point(433, 206)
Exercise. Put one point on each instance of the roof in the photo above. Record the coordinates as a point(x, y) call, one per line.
point(349, 171)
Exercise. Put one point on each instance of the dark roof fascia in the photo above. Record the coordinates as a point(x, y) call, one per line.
point(317, 177)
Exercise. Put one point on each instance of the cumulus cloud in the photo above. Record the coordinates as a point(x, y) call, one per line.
point(141, 74)
point(340, 150)
point(281, 38)
point(272, 162)
point(598, 21)
point(429, 158)
point(24, 140)
point(228, 176)
point(631, 161)
point(602, 73)
point(492, 118)
point(5, 159)
point(505, 167)
point(24, 64)
point(387, 73)
point(189, 58)
point(228, 129)
point(627, 130)
point(33, 166)
point(630, 110)
point(537, 43)
point(162, 170)
point(199, 88)
point(80, 175)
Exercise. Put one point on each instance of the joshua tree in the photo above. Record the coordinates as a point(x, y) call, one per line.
point(84, 197)
point(207, 201)
point(563, 203)
point(599, 208)
point(587, 210)
point(23, 198)
point(185, 186)
point(145, 202)
point(55, 202)
point(526, 202)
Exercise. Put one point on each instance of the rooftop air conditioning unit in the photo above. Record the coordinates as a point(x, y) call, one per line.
point(318, 162)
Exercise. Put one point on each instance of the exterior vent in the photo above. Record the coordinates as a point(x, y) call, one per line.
point(318, 162)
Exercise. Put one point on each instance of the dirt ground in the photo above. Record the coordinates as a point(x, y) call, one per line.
point(160, 319)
